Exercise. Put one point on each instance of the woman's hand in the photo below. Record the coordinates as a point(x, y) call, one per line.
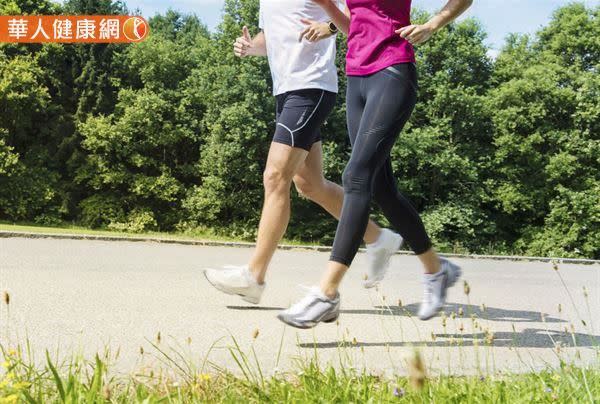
point(314, 31)
point(416, 34)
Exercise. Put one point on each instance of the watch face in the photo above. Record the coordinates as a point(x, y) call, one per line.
point(332, 27)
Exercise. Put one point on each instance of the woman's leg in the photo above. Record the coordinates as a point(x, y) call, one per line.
point(389, 102)
point(368, 160)
point(403, 216)
point(311, 183)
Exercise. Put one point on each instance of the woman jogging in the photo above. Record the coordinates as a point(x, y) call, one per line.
point(381, 94)
point(300, 44)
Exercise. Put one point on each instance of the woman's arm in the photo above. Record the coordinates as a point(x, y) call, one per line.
point(340, 18)
point(314, 31)
point(417, 34)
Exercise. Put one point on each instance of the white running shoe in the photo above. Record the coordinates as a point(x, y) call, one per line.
point(311, 310)
point(379, 254)
point(436, 287)
point(236, 281)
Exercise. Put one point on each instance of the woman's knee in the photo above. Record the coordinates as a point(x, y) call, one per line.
point(357, 179)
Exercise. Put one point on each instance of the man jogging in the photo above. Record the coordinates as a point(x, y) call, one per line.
point(300, 46)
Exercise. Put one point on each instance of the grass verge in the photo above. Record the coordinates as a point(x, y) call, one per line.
point(198, 234)
point(90, 382)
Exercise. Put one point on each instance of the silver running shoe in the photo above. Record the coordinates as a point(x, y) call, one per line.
point(236, 281)
point(379, 254)
point(314, 308)
point(436, 287)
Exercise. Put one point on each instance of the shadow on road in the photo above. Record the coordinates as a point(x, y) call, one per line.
point(490, 313)
point(528, 338)
point(255, 308)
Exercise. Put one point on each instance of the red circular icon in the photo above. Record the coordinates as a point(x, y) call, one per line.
point(135, 29)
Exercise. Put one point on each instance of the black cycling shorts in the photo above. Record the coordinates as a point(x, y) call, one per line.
point(300, 114)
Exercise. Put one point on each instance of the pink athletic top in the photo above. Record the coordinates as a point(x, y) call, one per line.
point(372, 43)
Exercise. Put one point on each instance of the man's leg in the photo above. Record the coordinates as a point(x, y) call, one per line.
point(300, 114)
point(283, 163)
point(311, 183)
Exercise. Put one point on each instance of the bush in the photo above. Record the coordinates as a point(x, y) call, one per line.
point(101, 210)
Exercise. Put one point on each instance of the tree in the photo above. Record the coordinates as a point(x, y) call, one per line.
point(238, 122)
point(28, 182)
point(173, 132)
point(573, 35)
point(140, 158)
point(441, 158)
point(545, 115)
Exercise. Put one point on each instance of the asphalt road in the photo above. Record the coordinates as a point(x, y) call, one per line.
point(80, 296)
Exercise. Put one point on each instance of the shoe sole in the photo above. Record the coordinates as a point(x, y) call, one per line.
point(371, 285)
point(228, 292)
point(307, 326)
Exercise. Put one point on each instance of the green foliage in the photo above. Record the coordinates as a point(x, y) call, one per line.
point(100, 210)
point(237, 122)
point(573, 36)
point(572, 227)
point(457, 227)
point(546, 157)
point(172, 133)
point(28, 183)
point(8, 159)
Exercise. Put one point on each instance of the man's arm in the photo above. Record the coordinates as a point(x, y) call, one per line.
point(245, 45)
point(417, 34)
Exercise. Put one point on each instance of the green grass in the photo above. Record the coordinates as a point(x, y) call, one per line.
point(74, 229)
point(198, 234)
point(91, 382)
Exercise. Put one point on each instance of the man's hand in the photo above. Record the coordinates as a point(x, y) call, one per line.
point(416, 34)
point(242, 46)
point(314, 31)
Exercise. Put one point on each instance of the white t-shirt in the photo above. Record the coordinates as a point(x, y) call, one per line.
point(297, 65)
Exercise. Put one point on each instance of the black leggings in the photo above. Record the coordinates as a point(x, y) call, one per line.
point(378, 106)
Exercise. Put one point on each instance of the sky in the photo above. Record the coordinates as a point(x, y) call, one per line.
point(499, 17)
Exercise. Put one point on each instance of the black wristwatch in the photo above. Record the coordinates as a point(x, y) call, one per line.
point(332, 28)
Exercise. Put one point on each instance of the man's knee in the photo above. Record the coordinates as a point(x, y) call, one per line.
point(276, 180)
point(308, 187)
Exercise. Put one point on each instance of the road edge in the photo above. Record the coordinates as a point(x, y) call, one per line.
point(217, 243)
